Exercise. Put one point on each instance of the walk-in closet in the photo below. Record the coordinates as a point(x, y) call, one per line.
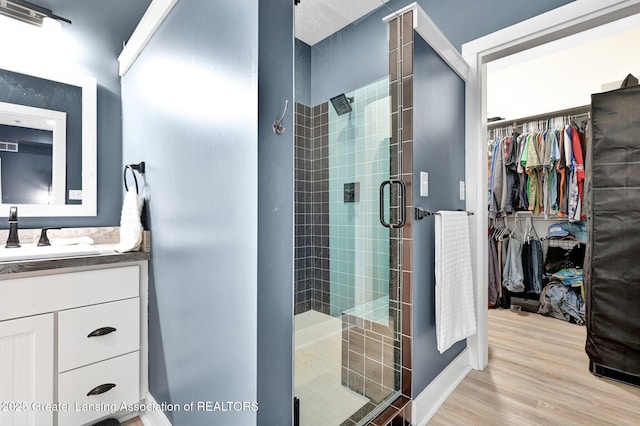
point(550, 181)
point(537, 236)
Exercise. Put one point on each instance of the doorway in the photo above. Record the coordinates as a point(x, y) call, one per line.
point(565, 21)
point(554, 25)
point(553, 85)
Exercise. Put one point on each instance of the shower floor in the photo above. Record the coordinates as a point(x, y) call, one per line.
point(318, 362)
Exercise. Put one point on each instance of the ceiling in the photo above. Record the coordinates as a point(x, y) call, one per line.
point(110, 21)
point(318, 19)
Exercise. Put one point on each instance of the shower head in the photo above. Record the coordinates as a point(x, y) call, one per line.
point(341, 104)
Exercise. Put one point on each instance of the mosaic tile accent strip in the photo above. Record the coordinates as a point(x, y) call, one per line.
point(401, 151)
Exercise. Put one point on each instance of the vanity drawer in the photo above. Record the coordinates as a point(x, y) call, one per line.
point(115, 330)
point(73, 386)
point(55, 292)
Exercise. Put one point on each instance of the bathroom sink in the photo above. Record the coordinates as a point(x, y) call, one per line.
point(32, 251)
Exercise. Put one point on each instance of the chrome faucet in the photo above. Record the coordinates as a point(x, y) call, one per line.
point(13, 240)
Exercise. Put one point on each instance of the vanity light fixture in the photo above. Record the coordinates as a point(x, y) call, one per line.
point(28, 12)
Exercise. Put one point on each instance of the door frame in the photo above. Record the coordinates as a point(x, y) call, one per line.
point(564, 21)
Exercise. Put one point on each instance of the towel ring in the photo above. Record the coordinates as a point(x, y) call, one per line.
point(135, 179)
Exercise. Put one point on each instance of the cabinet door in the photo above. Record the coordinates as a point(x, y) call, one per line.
point(26, 371)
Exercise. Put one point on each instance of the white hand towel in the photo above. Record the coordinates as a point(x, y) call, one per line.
point(130, 225)
point(71, 241)
point(455, 308)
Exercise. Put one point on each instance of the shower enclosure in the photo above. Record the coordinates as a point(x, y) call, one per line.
point(347, 273)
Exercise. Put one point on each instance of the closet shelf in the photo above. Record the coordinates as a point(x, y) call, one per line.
point(576, 111)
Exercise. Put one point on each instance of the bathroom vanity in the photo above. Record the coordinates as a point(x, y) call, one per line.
point(73, 338)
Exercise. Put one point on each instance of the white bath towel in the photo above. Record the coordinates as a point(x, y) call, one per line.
point(130, 224)
point(455, 308)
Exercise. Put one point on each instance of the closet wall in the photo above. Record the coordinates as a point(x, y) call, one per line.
point(563, 74)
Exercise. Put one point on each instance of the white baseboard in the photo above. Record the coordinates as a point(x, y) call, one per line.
point(155, 417)
point(425, 405)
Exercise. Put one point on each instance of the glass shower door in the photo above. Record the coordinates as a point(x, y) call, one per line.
point(361, 289)
point(347, 361)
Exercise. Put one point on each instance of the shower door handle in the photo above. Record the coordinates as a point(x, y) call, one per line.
point(402, 217)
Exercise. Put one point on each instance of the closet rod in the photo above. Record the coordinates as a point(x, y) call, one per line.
point(581, 110)
point(539, 217)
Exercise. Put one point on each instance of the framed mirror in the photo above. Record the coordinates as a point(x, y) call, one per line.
point(48, 138)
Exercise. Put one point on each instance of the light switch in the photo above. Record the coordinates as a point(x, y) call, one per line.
point(424, 184)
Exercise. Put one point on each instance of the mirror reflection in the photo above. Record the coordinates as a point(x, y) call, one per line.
point(32, 160)
point(47, 142)
point(29, 102)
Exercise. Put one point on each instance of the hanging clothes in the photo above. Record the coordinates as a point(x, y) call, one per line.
point(496, 255)
point(539, 171)
point(513, 274)
point(532, 262)
point(511, 196)
point(495, 281)
point(498, 179)
point(577, 164)
point(542, 170)
point(561, 168)
point(551, 174)
point(533, 266)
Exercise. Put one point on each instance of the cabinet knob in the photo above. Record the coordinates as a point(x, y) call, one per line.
point(101, 332)
point(101, 389)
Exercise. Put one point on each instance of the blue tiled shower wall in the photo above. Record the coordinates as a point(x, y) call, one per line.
point(359, 153)
point(341, 250)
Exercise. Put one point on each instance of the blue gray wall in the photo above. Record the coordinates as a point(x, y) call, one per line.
point(438, 148)
point(358, 54)
point(98, 31)
point(353, 57)
point(275, 215)
point(191, 103)
point(303, 73)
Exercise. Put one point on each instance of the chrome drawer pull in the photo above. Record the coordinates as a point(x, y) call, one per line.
point(101, 389)
point(101, 332)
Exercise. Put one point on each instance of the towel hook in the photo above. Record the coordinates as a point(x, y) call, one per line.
point(278, 129)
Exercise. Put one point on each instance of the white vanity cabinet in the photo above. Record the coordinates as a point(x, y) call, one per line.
point(73, 344)
point(26, 370)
